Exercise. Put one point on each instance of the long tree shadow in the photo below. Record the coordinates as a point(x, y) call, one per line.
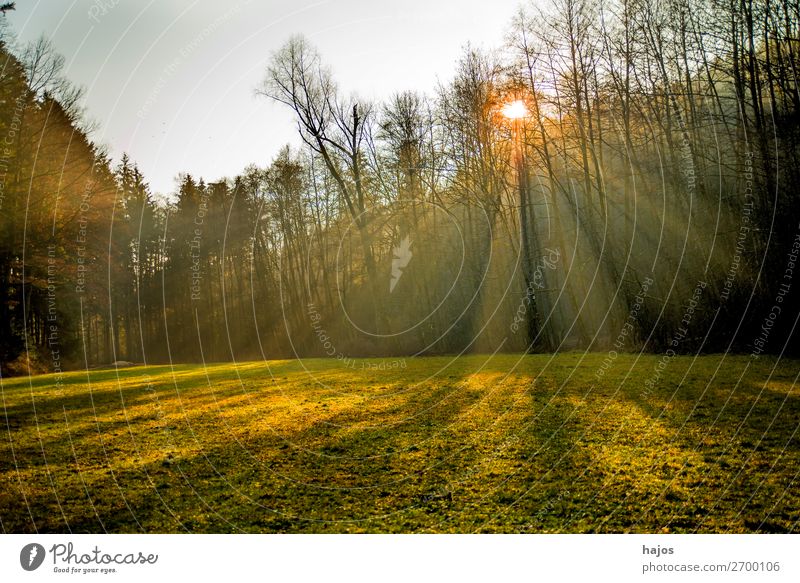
point(221, 466)
point(726, 462)
point(461, 452)
point(429, 458)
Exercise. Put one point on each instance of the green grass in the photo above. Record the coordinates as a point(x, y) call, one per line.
point(443, 445)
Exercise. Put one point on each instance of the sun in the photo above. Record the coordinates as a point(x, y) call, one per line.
point(515, 109)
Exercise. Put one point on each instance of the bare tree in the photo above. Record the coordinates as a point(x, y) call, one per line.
point(334, 127)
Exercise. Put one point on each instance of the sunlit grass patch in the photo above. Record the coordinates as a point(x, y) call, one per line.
point(444, 445)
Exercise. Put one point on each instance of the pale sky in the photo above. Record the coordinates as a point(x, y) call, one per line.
point(172, 82)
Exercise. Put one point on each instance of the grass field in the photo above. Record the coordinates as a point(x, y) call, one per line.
point(442, 445)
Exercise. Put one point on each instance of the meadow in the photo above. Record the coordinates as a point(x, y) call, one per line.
point(509, 443)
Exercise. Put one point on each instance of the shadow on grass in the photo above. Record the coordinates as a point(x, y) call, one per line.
point(385, 454)
point(718, 454)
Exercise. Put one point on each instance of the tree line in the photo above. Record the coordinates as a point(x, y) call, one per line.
point(644, 200)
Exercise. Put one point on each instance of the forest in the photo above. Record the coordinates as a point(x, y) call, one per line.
point(614, 176)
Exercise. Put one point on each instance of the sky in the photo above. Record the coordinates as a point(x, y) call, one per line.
point(172, 82)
